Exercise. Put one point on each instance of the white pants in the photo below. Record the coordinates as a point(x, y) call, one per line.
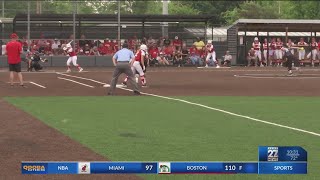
point(137, 67)
point(265, 54)
point(257, 54)
point(213, 55)
point(302, 53)
point(278, 54)
point(72, 59)
point(314, 54)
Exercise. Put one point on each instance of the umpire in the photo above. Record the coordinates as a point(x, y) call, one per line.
point(123, 60)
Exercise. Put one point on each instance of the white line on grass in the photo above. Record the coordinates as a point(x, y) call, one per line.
point(223, 111)
point(38, 85)
point(76, 82)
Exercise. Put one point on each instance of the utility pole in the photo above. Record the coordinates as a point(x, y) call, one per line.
point(119, 28)
point(165, 12)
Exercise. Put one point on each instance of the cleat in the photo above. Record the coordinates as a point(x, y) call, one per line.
point(144, 85)
point(206, 65)
point(124, 84)
point(217, 66)
point(81, 69)
point(137, 80)
point(136, 93)
point(69, 70)
point(106, 85)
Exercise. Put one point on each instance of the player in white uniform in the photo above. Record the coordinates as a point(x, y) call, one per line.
point(257, 52)
point(279, 52)
point(314, 51)
point(266, 46)
point(211, 54)
point(72, 58)
point(301, 44)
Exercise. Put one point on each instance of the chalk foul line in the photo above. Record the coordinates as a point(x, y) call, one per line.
point(219, 110)
point(76, 82)
point(37, 84)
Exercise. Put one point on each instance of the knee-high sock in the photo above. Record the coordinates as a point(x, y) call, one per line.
point(143, 80)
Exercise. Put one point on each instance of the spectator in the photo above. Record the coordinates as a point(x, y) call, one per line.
point(94, 51)
point(102, 50)
point(194, 54)
point(177, 59)
point(185, 53)
point(115, 46)
point(199, 44)
point(227, 59)
point(134, 43)
point(154, 54)
point(83, 41)
point(86, 49)
point(166, 41)
point(251, 58)
point(55, 45)
point(150, 42)
point(47, 49)
point(162, 60)
point(59, 50)
point(107, 44)
point(168, 51)
point(177, 43)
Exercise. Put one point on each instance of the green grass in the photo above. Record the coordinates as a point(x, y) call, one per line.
point(154, 129)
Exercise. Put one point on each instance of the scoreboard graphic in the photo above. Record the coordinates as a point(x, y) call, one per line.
point(271, 160)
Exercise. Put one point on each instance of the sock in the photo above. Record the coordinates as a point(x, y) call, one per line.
point(69, 67)
point(143, 80)
point(78, 67)
point(125, 80)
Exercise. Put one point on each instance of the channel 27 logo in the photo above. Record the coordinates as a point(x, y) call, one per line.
point(273, 154)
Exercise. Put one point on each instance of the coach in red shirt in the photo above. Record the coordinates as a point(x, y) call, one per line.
point(14, 49)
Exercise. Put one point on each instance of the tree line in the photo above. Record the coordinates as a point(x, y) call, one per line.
point(225, 12)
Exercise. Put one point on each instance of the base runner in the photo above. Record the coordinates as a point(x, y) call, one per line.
point(138, 66)
point(72, 58)
point(211, 54)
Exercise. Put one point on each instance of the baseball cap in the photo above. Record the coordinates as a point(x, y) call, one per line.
point(209, 41)
point(14, 36)
point(256, 39)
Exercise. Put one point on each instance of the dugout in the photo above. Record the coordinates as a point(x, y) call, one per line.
point(239, 42)
point(101, 26)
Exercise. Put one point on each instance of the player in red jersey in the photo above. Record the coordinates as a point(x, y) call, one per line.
point(72, 58)
point(138, 66)
point(211, 54)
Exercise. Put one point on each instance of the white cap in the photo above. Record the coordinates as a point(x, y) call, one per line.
point(256, 39)
point(143, 47)
point(176, 37)
point(209, 41)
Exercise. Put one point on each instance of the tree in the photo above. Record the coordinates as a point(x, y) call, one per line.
point(251, 10)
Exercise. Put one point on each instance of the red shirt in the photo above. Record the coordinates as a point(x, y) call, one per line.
point(14, 49)
point(273, 45)
point(194, 52)
point(256, 46)
point(168, 50)
point(102, 50)
point(139, 54)
point(177, 42)
point(154, 52)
